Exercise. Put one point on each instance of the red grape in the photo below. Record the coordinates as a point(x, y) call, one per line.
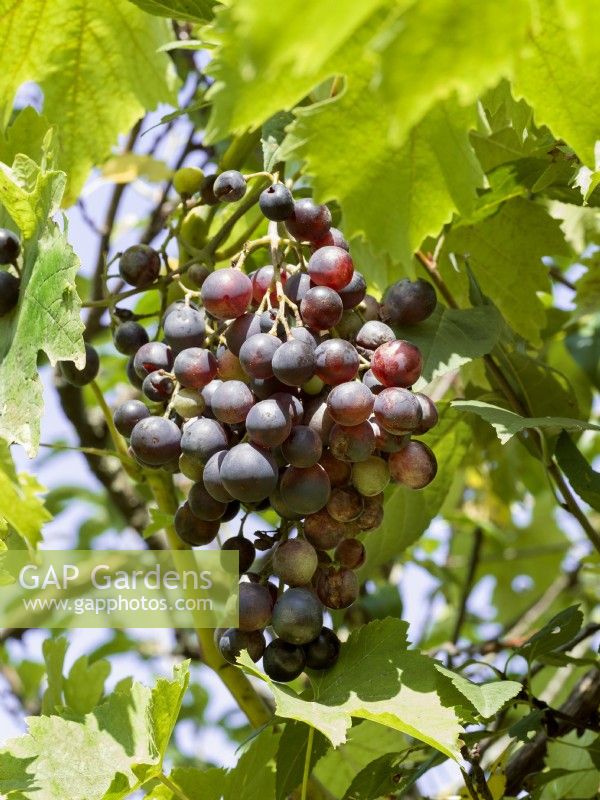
point(331, 266)
point(397, 363)
point(226, 293)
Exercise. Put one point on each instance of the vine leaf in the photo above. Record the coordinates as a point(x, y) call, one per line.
point(404, 697)
point(84, 685)
point(20, 506)
point(291, 756)
point(556, 633)
point(48, 314)
point(507, 423)
point(190, 10)
point(104, 755)
point(486, 698)
point(584, 479)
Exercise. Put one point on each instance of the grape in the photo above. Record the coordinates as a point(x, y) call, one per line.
point(430, 414)
point(295, 562)
point(337, 588)
point(207, 393)
point(291, 404)
point(345, 504)
point(303, 447)
point(231, 402)
point(321, 308)
point(263, 282)
point(190, 468)
point(152, 357)
point(350, 553)
point(256, 355)
point(128, 414)
point(373, 334)
point(331, 266)
point(354, 292)
point(333, 237)
point(194, 229)
point(202, 438)
point(263, 388)
point(369, 308)
point(132, 376)
point(397, 363)
point(233, 641)
point(193, 531)
point(283, 662)
point(371, 381)
point(203, 505)
point(317, 417)
point(85, 375)
point(212, 478)
point(385, 441)
point(231, 512)
point(349, 325)
point(336, 361)
point(129, 337)
point(350, 403)
point(339, 471)
point(324, 651)
point(195, 275)
point(297, 616)
point(276, 202)
point(156, 441)
point(158, 386)
point(255, 606)
point(226, 293)
point(268, 423)
point(139, 265)
point(305, 490)
point(297, 286)
point(230, 186)
point(195, 367)
point(229, 366)
point(269, 320)
point(294, 362)
point(397, 410)
point(184, 328)
point(313, 387)
point(370, 477)
point(188, 403)
point(408, 302)
point(9, 292)
point(240, 329)
point(372, 515)
point(207, 193)
point(352, 444)
point(302, 334)
point(245, 549)
point(249, 473)
point(309, 222)
point(280, 508)
point(10, 247)
point(415, 465)
point(188, 180)
point(324, 532)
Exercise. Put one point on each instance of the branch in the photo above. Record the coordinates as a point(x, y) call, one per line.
point(470, 577)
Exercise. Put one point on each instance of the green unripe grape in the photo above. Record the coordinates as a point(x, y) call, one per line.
point(191, 469)
point(313, 386)
point(194, 228)
point(370, 477)
point(188, 180)
point(189, 403)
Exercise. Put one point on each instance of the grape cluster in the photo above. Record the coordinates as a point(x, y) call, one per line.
point(283, 388)
point(10, 284)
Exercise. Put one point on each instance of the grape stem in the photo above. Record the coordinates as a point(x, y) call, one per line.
point(118, 441)
point(306, 773)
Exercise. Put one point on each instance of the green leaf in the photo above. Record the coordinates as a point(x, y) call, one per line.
point(507, 424)
point(97, 67)
point(571, 768)
point(105, 755)
point(291, 756)
point(191, 10)
point(84, 686)
point(20, 506)
point(54, 651)
point(48, 315)
point(273, 133)
point(557, 74)
point(453, 337)
point(380, 778)
point(505, 253)
point(409, 512)
point(127, 167)
point(556, 633)
point(25, 136)
point(582, 477)
point(486, 698)
point(527, 727)
point(404, 697)
point(195, 784)
point(587, 298)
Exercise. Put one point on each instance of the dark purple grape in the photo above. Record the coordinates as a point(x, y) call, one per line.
point(283, 662)
point(264, 388)
point(241, 329)
point(397, 363)
point(196, 274)
point(202, 438)
point(231, 402)
point(85, 375)
point(303, 447)
point(156, 441)
point(295, 562)
point(408, 302)
point(233, 641)
point(276, 202)
point(128, 414)
point(263, 281)
point(371, 382)
point(279, 506)
point(292, 405)
point(132, 376)
point(207, 193)
point(193, 531)
point(373, 334)
point(397, 411)
point(255, 606)
point(337, 588)
point(139, 265)
point(10, 247)
point(317, 417)
point(333, 237)
point(331, 266)
point(324, 651)
point(352, 444)
point(336, 361)
point(226, 293)
point(195, 367)
point(9, 292)
point(256, 355)
point(248, 473)
point(267, 321)
point(350, 403)
point(245, 549)
point(158, 386)
point(231, 512)
point(294, 362)
point(230, 186)
point(297, 616)
point(212, 478)
point(129, 337)
point(309, 222)
point(297, 286)
point(369, 308)
point(349, 326)
point(305, 490)
point(184, 328)
point(305, 335)
point(268, 423)
point(203, 505)
point(414, 466)
point(354, 292)
point(345, 504)
point(321, 308)
point(430, 414)
point(207, 393)
point(152, 357)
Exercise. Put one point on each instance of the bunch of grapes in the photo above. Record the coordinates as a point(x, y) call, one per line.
point(282, 388)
